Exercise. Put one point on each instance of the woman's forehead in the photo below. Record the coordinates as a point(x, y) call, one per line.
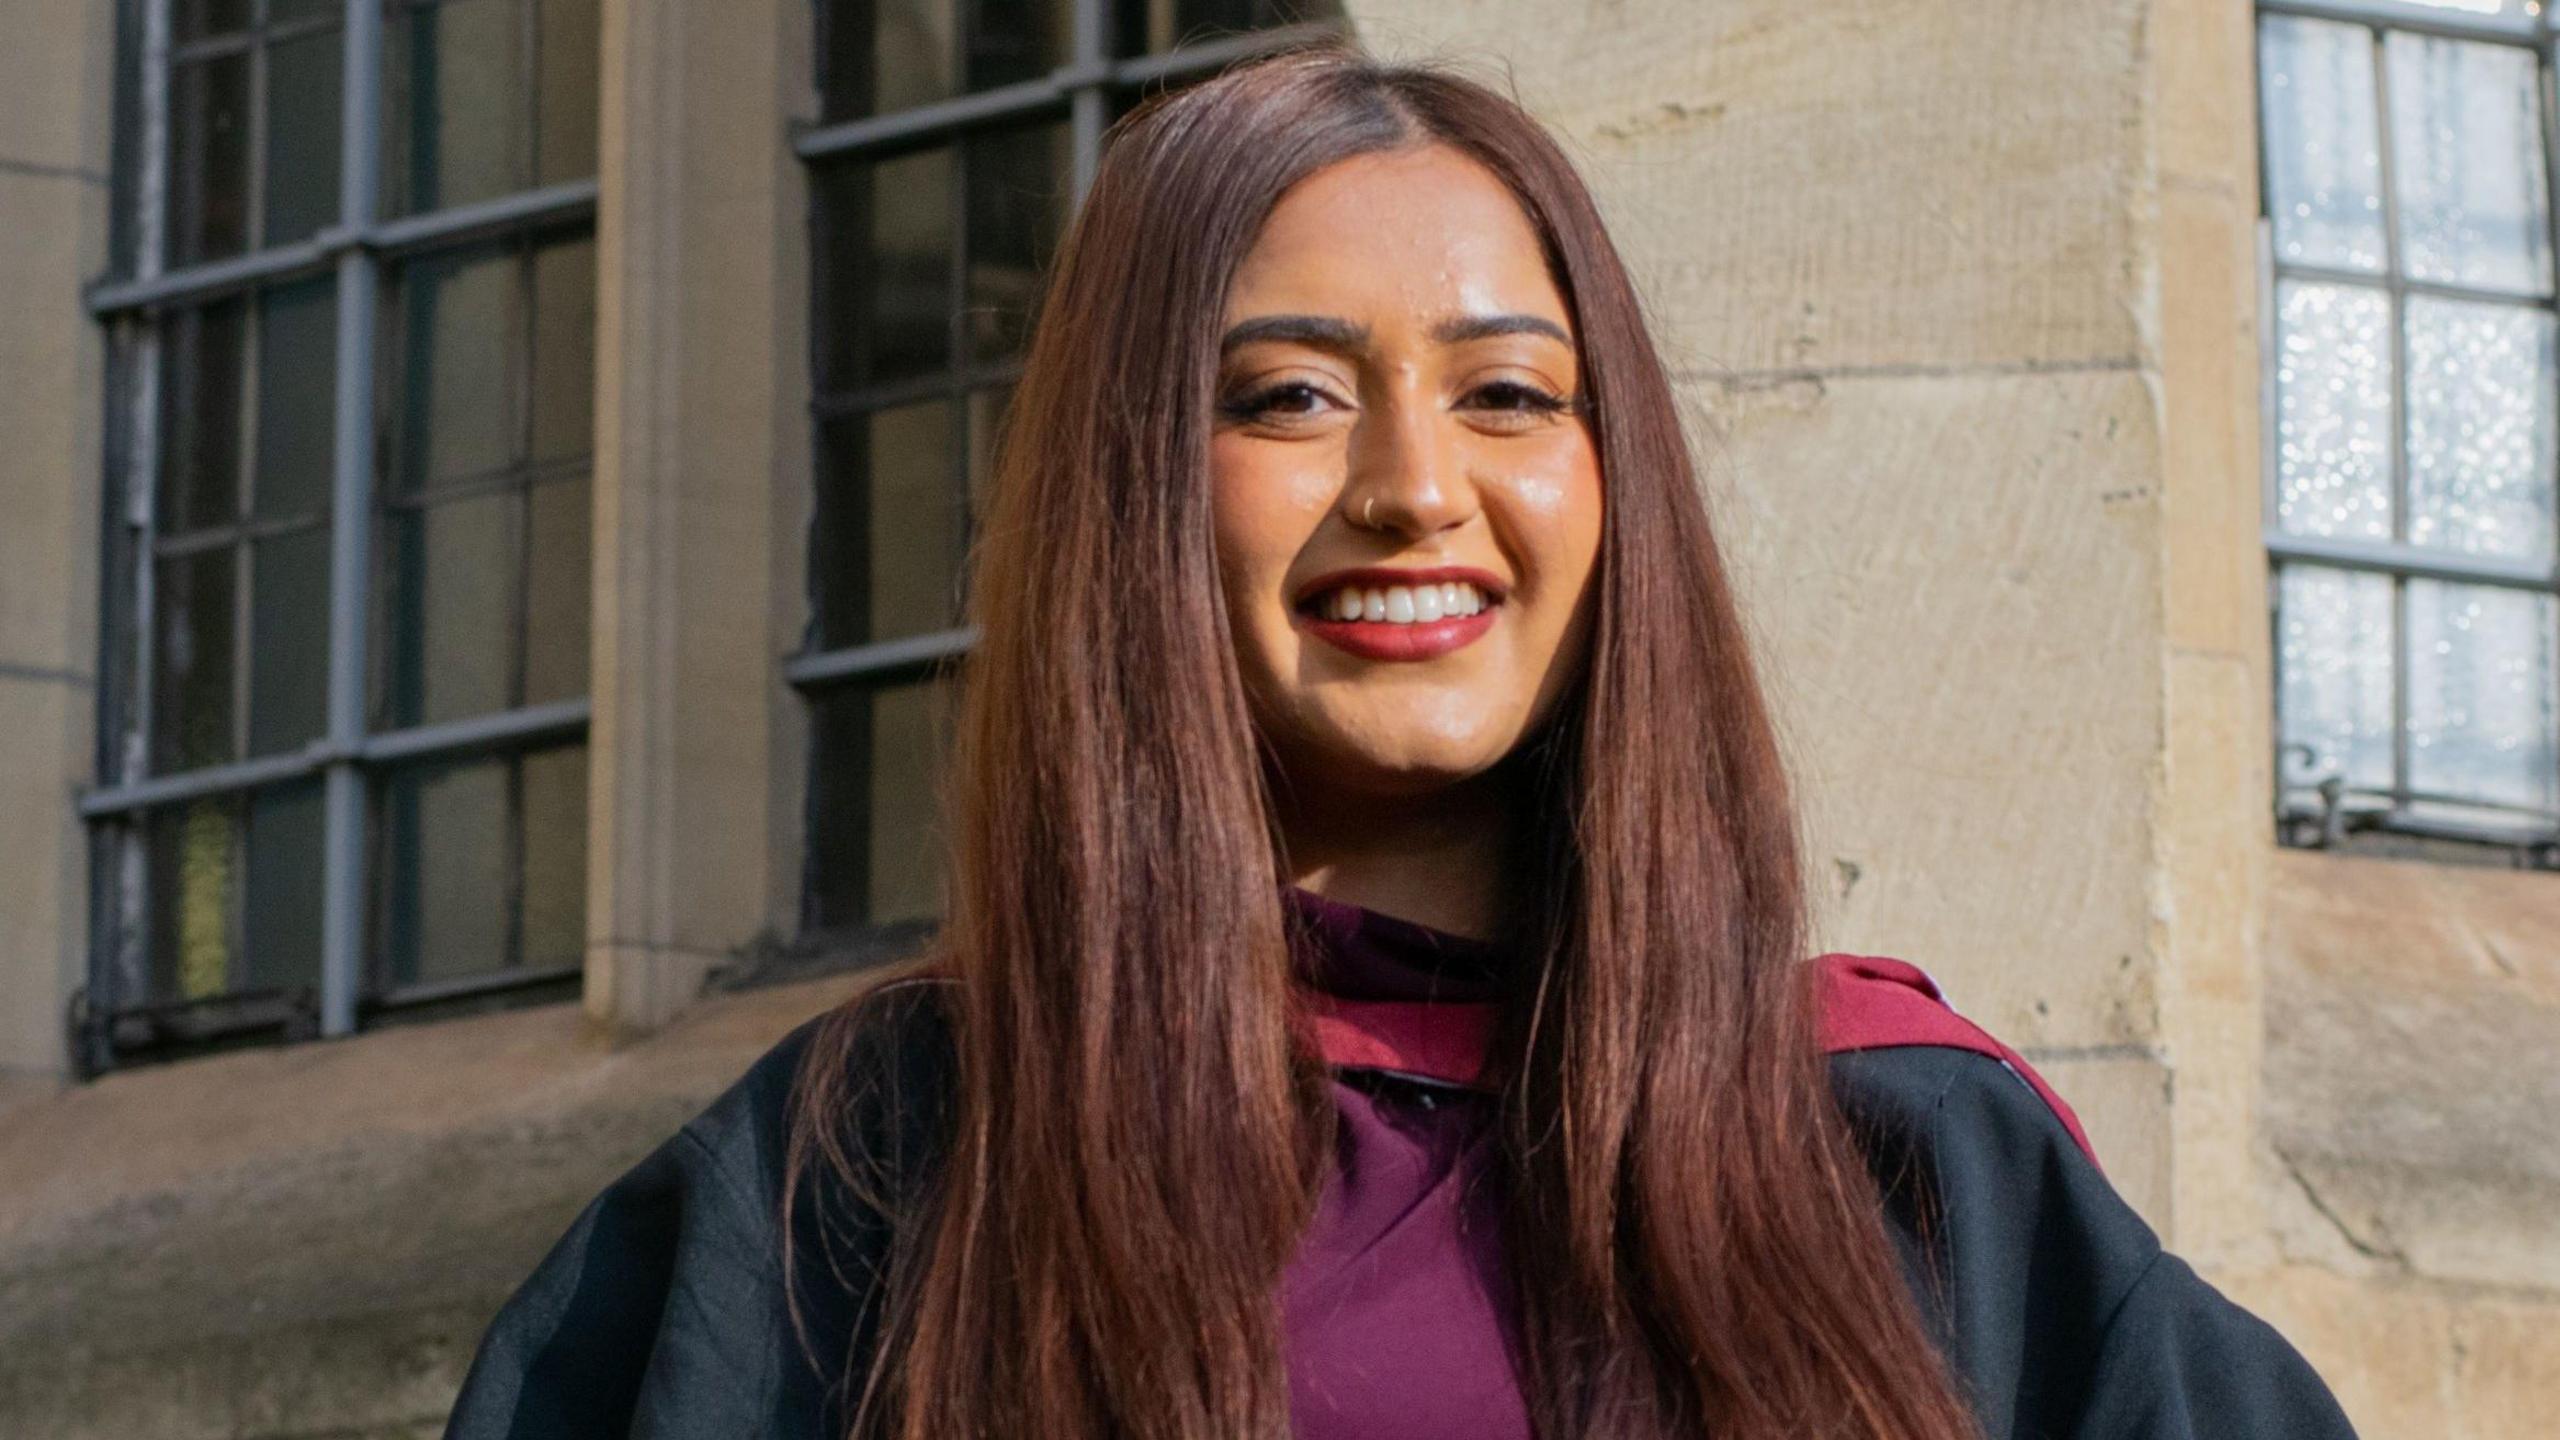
point(1419, 232)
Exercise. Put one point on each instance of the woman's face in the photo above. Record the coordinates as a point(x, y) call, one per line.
point(1407, 495)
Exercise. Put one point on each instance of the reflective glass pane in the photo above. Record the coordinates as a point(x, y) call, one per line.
point(456, 105)
point(282, 907)
point(444, 873)
point(450, 578)
point(2333, 674)
point(208, 159)
point(2323, 146)
point(196, 19)
point(557, 577)
point(555, 857)
point(2333, 410)
point(886, 547)
point(194, 864)
point(297, 397)
point(1010, 41)
point(285, 12)
point(1149, 27)
point(564, 350)
point(455, 374)
point(193, 632)
point(2480, 697)
point(304, 82)
point(1017, 182)
point(2481, 388)
point(875, 837)
point(883, 267)
point(986, 427)
point(876, 56)
point(565, 124)
point(288, 640)
point(200, 379)
point(2466, 157)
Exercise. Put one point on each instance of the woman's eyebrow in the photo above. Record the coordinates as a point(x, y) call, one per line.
point(1325, 332)
point(1458, 329)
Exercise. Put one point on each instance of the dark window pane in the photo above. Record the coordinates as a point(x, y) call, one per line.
point(555, 857)
point(986, 422)
point(200, 417)
point(564, 350)
point(456, 103)
point(883, 269)
point(886, 546)
point(191, 686)
point(208, 159)
point(450, 586)
point(285, 12)
point(566, 123)
point(288, 640)
point(303, 86)
point(1017, 183)
point(282, 908)
point(454, 374)
point(883, 55)
point(557, 573)
point(1151, 27)
point(1011, 41)
point(195, 19)
point(297, 397)
point(445, 870)
point(194, 865)
point(875, 836)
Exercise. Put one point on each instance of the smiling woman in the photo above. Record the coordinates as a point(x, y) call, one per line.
point(1373, 1000)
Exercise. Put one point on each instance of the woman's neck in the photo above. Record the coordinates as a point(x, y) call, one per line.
point(1435, 859)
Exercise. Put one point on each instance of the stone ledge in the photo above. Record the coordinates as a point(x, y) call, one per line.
point(308, 1240)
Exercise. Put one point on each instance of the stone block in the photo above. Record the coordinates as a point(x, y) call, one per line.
point(1843, 187)
point(1954, 582)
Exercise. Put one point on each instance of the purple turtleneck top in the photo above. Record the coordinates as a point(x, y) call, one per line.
point(1397, 1310)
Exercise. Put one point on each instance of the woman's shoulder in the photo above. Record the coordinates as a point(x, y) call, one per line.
point(2054, 1298)
point(664, 1307)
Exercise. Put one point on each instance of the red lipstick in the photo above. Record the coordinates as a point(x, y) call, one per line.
point(1391, 640)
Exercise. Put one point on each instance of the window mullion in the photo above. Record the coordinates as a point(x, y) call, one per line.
point(351, 524)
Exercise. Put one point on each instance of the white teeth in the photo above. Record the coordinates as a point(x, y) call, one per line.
point(1402, 604)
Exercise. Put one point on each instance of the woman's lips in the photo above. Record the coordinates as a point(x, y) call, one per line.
point(1387, 640)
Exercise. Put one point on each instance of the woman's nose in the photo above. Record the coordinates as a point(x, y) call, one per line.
point(1407, 468)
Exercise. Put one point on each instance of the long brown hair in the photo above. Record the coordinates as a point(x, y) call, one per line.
point(1135, 1143)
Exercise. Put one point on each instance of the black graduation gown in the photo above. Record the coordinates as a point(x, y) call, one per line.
point(660, 1313)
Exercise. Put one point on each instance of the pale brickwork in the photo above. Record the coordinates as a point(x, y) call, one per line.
point(1963, 297)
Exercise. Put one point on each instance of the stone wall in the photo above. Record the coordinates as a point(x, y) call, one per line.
point(1962, 297)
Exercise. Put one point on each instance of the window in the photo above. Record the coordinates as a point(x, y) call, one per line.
point(2411, 374)
point(341, 764)
point(953, 138)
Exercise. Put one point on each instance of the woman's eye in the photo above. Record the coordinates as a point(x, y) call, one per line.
point(1517, 398)
point(1288, 398)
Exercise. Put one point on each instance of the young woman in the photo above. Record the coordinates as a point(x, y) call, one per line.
point(1371, 1002)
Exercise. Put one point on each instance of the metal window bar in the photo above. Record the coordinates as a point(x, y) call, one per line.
point(2532, 831)
point(109, 1017)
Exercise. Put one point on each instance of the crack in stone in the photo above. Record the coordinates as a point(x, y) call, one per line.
point(2382, 1250)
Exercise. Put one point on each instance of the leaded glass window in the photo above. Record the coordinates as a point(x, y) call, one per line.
point(2413, 417)
point(341, 762)
point(953, 139)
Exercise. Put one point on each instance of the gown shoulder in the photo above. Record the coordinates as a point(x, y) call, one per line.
point(663, 1311)
point(2061, 1313)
